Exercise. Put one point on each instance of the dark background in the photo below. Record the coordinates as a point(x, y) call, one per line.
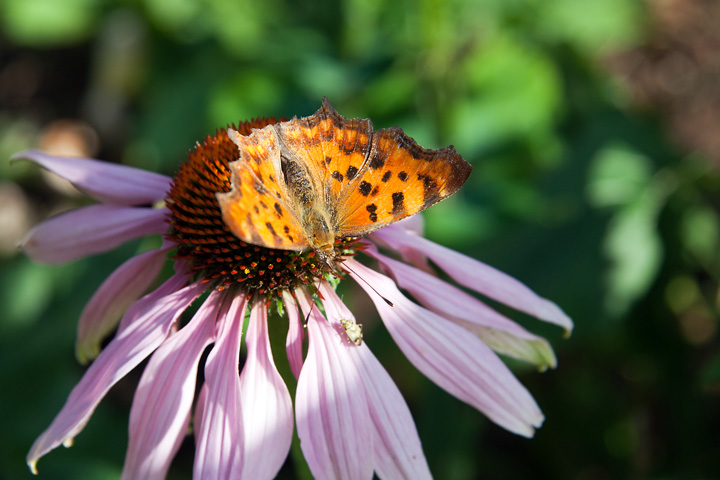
point(594, 132)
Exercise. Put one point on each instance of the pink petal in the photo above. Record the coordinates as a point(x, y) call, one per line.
point(220, 438)
point(499, 332)
point(136, 311)
point(90, 230)
point(102, 313)
point(397, 448)
point(122, 354)
point(537, 351)
point(266, 408)
point(295, 336)
point(107, 182)
point(199, 411)
point(452, 357)
point(480, 277)
point(161, 409)
point(414, 224)
point(331, 409)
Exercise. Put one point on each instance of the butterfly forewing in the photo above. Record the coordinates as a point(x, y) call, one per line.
point(257, 209)
point(398, 179)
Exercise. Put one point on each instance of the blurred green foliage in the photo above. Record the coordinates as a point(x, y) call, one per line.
point(574, 192)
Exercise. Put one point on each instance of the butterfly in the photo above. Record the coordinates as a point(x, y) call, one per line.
point(304, 183)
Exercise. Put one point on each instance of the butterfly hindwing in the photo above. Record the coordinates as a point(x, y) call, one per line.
point(399, 178)
point(257, 209)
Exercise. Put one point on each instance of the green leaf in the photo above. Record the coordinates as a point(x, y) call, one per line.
point(617, 176)
point(48, 22)
point(592, 25)
point(635, 250)
point(514, 92)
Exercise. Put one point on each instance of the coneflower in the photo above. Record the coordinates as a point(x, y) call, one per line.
point(351, 419)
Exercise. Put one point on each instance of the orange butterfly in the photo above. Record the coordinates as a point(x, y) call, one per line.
point(306, 182)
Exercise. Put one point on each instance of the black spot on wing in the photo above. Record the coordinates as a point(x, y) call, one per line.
point(398, 199)
point(286, 229)
point(257, 210)
point(403, 176)
point(377, 161)
point(351, 172)
point(430, 189)
point(277, 238)
point(328, 160)
point(372, 208)
point(337, 176)
point(327, 136)
point(408, 144)
point(365, 188)
point(348, 148)
point(278, 210)
point(386, 176)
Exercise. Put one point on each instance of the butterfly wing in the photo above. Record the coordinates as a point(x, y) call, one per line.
point(257, 209)
point(398, 178)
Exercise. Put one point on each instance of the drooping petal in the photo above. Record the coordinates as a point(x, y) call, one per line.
point(266, 408)
point(536, 351)
point(398, 452)
point(136, 312)
point(107, 182)
point(478, 276)
point(499, 332)
point(199, 412)
point(330, 405)
point(90, 230)
point(295, 336)
point(452, 357)
point(131, 346)
point(125, 285)
point(161, 408)
point(397, 447)
point(220, 438)
point(414, 224)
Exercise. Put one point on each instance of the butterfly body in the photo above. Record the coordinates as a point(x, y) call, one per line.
point(304, 183)
point(313, 214)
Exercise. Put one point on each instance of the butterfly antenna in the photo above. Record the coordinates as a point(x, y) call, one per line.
point(345, 265)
